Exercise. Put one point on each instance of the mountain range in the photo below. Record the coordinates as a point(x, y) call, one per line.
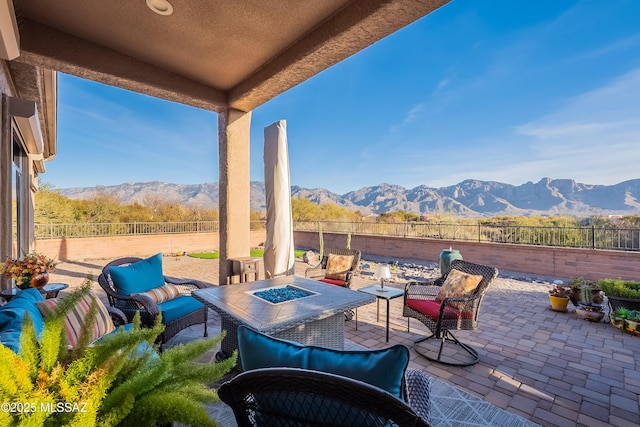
point(469, 198)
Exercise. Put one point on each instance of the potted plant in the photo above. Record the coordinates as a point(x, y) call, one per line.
point(577, 284)
point(618, 317)
point(621, 293)
point(30, 271)
point(590, 305)
point(559, 297)
point(632, 322)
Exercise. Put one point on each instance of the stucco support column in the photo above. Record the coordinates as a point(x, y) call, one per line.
point(234, 187)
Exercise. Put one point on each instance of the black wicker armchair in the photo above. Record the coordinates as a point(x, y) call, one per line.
point(149, 309)
point(320, 272)
point(452, 313)
point(299, 397)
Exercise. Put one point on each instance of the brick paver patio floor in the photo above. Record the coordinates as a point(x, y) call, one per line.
point(551, 368)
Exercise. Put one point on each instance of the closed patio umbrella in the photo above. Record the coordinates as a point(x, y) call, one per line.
point(278, 252)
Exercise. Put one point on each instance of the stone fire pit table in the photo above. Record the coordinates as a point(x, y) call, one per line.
point(315, 319)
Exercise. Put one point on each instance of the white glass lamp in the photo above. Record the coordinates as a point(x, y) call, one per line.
point(383, 272)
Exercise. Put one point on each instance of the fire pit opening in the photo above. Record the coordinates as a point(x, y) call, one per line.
point(282, 294)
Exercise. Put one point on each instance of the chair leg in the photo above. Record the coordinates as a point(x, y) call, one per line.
point(206, 319)
point(447, 358)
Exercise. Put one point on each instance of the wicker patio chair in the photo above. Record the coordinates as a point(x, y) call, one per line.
point(454, 313)
point(299, 397)
point(320, 272)
point(130, 304)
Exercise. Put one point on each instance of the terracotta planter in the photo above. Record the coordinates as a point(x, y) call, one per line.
point(559, 303)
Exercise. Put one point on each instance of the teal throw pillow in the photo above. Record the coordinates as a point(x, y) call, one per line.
point(138, 277)
point(382, 368)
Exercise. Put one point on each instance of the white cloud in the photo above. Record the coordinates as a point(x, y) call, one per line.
point(595, 136)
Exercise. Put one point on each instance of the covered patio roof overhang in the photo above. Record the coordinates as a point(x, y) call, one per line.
point(228, 57)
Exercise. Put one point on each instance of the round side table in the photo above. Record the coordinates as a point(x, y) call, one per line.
point(51, 290)
point(48, 291)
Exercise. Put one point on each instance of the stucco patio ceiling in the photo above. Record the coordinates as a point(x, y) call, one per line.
point(210, 54)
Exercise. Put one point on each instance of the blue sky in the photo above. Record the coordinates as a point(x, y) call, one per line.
point(497, 90)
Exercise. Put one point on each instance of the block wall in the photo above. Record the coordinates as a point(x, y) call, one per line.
point(136, 245)
point(542, 260)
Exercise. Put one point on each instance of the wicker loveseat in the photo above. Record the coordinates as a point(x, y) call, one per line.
point(144, 276)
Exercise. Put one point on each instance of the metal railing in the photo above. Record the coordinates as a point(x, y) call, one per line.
point(591, 237)
point(58, 231)
point(625, 239)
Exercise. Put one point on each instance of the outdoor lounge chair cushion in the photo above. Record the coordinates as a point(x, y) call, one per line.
point(178, 307)
point(458, 284)
point(338, 266)
point(75, 318)
point(12, 315)
point(334, 282)
point(138, 277)
point(384, 368)
point(431, 308)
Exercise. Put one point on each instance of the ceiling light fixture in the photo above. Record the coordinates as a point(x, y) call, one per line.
point(161, 7)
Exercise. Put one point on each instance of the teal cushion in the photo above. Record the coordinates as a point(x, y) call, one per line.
point(178, 307)
point(12, 315)
point(382, 368)
point(138, 277)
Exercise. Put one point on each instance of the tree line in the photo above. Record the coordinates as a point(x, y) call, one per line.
point(104, 207)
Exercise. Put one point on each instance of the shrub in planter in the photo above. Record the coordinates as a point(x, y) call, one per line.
point(619, 317)
point(622, 293)
point(632, 322)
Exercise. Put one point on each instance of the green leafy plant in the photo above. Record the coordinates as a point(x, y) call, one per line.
point(119, 380)
point(620, 288)
point(621, 312)
point(633, 315)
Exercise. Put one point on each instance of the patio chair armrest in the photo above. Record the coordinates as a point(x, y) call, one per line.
point(421, 290)
point(419, 393)
point(315, 273)
point(347, 279)
point(461, 303)
point(117, 316)
point(188, 284)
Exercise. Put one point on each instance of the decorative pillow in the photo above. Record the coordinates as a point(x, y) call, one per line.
point(382, 368)
point(338, 266)
point(138, 277)
point(163, 293)
point(458, 284)
point(74, 319)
